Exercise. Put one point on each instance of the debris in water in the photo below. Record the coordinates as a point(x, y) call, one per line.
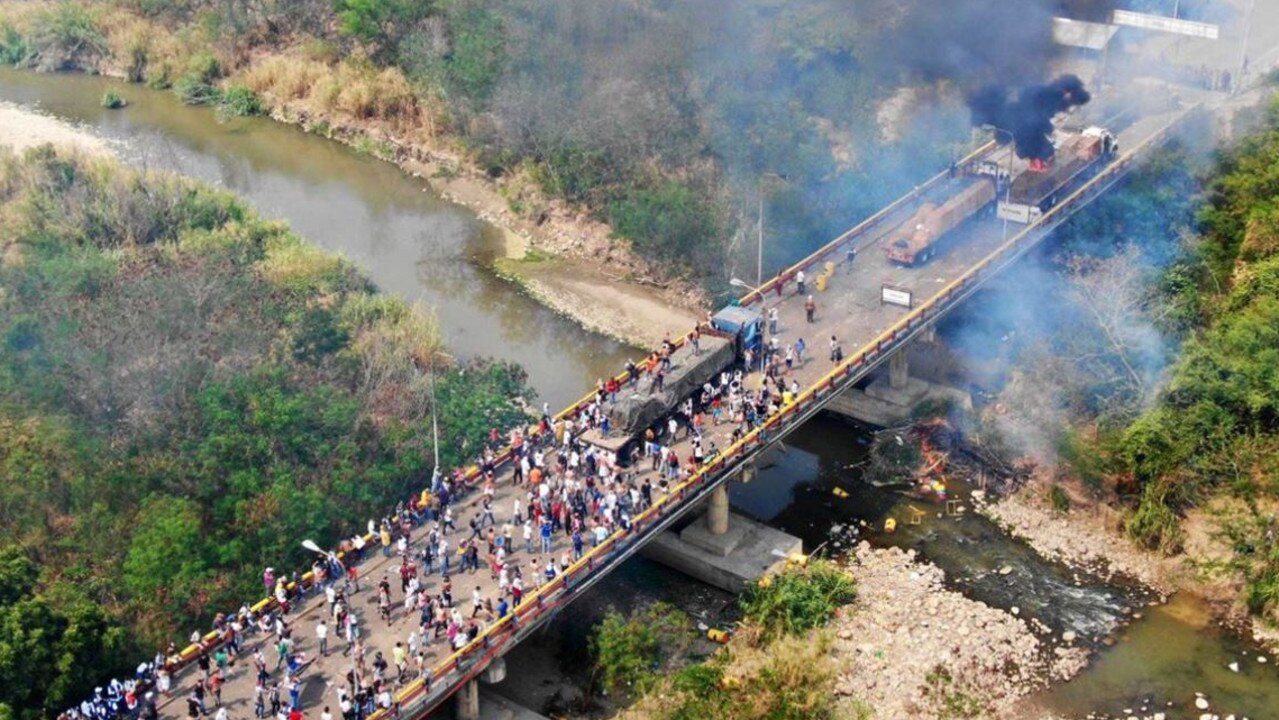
point(1234, 667)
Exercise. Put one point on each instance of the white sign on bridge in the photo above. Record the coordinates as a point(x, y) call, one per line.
point(889, 295)
point(1163, 23)
point(1018, 213)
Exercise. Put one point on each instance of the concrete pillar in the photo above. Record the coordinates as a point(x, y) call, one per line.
point(495, 672)
point(468, 701)
point(717, 511)
point(898, 370)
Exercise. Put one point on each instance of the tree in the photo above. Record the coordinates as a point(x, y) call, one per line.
point(54, 645)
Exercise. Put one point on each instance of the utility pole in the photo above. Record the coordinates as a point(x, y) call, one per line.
point(759, 248)
point(1243, 50)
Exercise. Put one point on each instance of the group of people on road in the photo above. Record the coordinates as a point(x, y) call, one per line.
point(568, 496)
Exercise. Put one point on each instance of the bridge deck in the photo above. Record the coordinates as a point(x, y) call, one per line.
point(849, 309)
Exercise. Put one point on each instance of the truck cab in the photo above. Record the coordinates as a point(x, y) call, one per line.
point(744, 324)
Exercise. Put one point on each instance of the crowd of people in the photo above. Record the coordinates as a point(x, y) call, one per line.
point(567, 497)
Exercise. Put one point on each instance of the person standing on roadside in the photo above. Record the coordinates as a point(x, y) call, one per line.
point(322, 635)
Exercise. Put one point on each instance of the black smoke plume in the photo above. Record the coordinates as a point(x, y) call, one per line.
point(1028, 118)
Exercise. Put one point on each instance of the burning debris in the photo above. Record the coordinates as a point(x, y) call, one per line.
point(1028, 118)
point(928, 454)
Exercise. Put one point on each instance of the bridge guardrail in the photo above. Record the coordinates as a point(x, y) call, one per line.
point(551, 595)
point(860, 228)
point(469, 660)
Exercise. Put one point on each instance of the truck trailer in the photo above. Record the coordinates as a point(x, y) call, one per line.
point(916, 240)
point(1036, 190)
point(732, 333)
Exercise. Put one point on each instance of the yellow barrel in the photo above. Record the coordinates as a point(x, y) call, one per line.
point(830, 268)
point(890, 525)
point(821, 283)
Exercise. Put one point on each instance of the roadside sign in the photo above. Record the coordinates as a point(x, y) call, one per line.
point(1163, 23)
point(1080, 34)
point(1015, 212)
point(891, 295)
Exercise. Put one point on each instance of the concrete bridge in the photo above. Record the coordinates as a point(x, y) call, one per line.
point(853, 307)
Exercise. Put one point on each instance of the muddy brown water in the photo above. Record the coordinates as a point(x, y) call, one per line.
point(409, 241)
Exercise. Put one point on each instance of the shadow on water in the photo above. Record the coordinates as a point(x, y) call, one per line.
point(410, 241)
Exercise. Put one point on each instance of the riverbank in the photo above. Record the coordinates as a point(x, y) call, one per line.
point(910, 647)
point(1090, 535)
point(378, 113)
point(22, 129)
point(561, 258)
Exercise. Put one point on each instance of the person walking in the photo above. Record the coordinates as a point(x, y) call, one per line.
point(800, 282)
point(322, 635)
point(810, 308)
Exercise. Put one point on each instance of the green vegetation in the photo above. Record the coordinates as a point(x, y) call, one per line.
point(186, 391)
point(950, 702)
point(797, 601)
point(778, 665)
point(239, 101)
point(1059, 499)
point(111, 100)
point(640, 114)
point(630, 652)
point(1216, 428)
point(1204, 432)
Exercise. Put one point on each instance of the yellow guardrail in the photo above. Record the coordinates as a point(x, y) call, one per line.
point(861, 227)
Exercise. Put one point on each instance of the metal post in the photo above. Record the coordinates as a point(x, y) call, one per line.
point(1243, 52)
point(759, 253)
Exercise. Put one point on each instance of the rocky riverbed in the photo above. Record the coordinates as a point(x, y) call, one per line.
point(1082, 537)
point(908, 646)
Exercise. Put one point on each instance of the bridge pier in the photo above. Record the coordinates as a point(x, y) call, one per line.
point(899, 370)
point(889, 400)
point(722, 548)
point(717, 511)
point(468, 701)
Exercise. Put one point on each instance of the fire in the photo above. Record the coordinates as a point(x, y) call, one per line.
point(1041, 164)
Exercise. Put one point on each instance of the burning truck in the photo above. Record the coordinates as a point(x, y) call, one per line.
point(1058, 162)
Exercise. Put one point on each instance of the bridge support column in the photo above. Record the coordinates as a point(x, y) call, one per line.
point(717, 511)
point(898, 370)
point(468, 701)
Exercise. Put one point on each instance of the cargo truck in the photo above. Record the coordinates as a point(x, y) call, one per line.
point(1037, 189)
point(732, 332)
point(917, 239)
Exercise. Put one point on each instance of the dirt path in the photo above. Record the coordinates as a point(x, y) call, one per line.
point(22, 129)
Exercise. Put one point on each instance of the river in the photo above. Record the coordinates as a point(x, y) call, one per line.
point(408, 240)
point(427, 250)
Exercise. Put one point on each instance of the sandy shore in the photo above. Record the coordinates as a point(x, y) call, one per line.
point(21, 129)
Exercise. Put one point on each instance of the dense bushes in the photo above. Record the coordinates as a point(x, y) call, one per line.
point(640, 114)
point(187, 390)
point(1214, 431)
point(775, 668)
point(797, 601)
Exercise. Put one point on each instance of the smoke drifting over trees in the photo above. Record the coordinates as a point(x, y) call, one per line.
point(1029, 117)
